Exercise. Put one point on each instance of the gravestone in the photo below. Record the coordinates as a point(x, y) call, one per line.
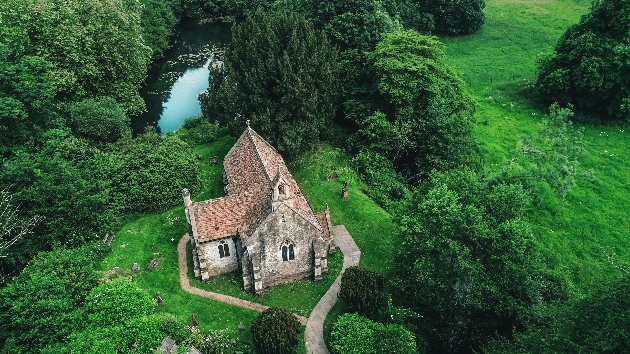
point(214, 160)
point(194, 325)
point(136, 267)
point(344, 191)
point(158, 298)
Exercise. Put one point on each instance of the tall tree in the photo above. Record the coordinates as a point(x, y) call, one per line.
point(426, 117)
point(95, 47)
point(590, 65)
point(280, 74)
point(465, 261)
point(455, 17)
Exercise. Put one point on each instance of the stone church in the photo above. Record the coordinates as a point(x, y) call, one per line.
point(264, 226)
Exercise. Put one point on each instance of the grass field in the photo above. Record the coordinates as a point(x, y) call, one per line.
point(587, 234)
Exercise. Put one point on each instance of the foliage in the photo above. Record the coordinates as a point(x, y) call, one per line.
point(280, 74)
point(549, 156)
point(158, 22)
point(356, 334)
point(197, 131)
point(455, 17)
point(95, 47)
point(39, 306)
point(26, 99)
point(151, 171)
point(386, 186)
point(351, 24)
point(363, 290)
point(471, 251)
point(13, 227)
point(591, 62)
point(117, 301)
point(275, 331)
point(427, 118)
point(214, 342)
point(66, 183)
point(99, 120)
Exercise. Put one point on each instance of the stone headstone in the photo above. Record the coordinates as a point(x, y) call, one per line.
point(194, 325)
point(158, 298)
point(168, 346)
point(136, 267)
point(214, 160)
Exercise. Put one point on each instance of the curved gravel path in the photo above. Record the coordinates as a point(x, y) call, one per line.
point(314, 333)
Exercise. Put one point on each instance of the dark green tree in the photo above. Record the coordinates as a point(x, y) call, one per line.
point(455, 17)
point(276, 331)
point(280, 74)
point(67, 184)
point(591, 63)
point(426, 117)
point(158, 22)
point(150, 171)
point(39, 306)
point(363, 290)
point(465, 263)
point(99, 120)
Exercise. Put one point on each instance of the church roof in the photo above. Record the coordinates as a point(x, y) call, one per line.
point(251, 167)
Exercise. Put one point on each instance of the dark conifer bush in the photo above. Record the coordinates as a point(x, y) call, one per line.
point(362, 290)
point(276, 331)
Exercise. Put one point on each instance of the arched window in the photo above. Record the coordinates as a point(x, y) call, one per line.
point(224, 249)
point(281, 189)
point(288, 251)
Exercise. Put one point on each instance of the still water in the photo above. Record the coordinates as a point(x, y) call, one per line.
point(174, 82)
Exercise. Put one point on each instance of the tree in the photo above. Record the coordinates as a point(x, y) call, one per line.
point(158, 23)
point(67, 184)
point(99, 120)
point(363, 290)
point(95, 47)
point(551, 156)
point(465, 260)
point(426, 117)
point(12, 226)
point(591, 62)
point(281, 75)
point(455, 17)
point(39, 306)
point(150, 171)
point(275, 331)
point(351, 24)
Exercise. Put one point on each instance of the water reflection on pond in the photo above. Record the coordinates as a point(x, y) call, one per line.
point(174, 82)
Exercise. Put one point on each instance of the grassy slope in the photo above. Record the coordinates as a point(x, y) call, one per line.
point(580, 233)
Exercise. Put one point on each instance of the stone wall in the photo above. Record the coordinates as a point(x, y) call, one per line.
point(284, 227)
point(217, 264)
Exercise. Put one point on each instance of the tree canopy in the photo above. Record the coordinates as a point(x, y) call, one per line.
point(281, 75)
point(94, 47)
point(591, 63)
point(426, 117)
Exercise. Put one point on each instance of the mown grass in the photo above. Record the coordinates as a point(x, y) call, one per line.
point(586, 234)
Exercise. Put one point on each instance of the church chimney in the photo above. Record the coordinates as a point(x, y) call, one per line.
point(186, 195)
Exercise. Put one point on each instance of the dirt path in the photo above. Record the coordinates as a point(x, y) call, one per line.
point(185, 284)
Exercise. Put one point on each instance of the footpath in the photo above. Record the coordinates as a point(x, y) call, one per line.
point(314, 333)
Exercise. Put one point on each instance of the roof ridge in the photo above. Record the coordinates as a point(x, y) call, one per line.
point(260, 158)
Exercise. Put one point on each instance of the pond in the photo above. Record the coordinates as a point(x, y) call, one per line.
point(174, 82)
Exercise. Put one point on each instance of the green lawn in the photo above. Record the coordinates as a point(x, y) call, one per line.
point(588, 233)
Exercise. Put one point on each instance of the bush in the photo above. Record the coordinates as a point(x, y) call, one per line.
point(99, 120)
point(197, 131)
point(276, 331)
point(356, 334)
point(362, 290)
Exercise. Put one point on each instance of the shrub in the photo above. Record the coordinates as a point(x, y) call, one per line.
point(353, 333)
point(197, 131)
point(362, 290)
point(275, 331)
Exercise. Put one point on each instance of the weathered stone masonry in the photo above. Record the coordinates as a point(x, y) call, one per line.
point(264, 226)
